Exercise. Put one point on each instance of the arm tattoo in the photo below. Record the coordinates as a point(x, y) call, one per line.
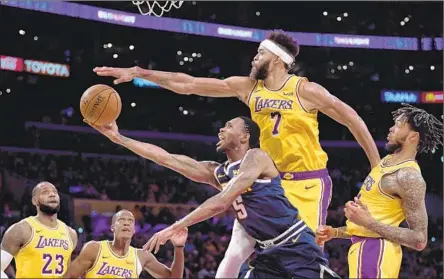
point(411, 189)
point(341, 232)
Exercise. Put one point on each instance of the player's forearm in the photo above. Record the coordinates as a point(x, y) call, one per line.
point(145, 150)
point(208, 209)
point(178, 263)
point(362, 135)
point(176, 82)
point(403, 236)
point(341, 232)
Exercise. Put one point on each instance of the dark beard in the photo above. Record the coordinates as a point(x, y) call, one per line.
point(262, 71)
point(392, 147)
point(49, 210)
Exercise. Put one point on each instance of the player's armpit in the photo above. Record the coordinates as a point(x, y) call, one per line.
point(84, 261)
point(74, 237)
point(202, 171)
point(411, 189)
point(17, 235)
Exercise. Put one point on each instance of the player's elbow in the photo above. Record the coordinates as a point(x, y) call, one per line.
point(420, 243)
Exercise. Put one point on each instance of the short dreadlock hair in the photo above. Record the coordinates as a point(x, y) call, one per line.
point(430, 129)
point(253, 129)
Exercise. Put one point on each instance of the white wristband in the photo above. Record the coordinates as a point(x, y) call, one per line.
point(6, 259)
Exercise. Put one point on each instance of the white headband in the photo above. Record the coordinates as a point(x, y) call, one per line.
point(277, 50)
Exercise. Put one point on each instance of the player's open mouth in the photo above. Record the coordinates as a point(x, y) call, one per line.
point(126, 230)
point(221, 139)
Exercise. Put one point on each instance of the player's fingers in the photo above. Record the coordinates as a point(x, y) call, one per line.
point(157, 246)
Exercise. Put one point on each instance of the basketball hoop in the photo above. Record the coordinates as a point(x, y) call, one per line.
point(155, 8)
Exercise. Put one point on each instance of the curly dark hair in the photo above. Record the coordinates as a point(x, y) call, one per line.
point(286, 42)
point(430, 129)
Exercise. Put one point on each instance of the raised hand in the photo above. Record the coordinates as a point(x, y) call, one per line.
point(121, 74)
point(159, 239)
point(180, 238)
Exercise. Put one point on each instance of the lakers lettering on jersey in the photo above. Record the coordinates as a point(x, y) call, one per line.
point(110, 265)
point(47, 253)
point(383, 207)
point(289, 133)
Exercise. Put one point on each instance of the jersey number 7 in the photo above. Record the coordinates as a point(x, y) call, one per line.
point(277, 117)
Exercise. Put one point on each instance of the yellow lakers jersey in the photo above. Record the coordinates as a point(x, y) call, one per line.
point(289, 133)
point(110, 265)
point(47, 253)
point(383, 207)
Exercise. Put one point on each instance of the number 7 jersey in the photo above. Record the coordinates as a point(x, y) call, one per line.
point(289, 133)
point(47, 253)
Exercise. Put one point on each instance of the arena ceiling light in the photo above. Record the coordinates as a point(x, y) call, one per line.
point(181, 63)
point(194, 54)
point(351, 63)
point(131, 47)
point(8, 90)
point(345, 14)
point(432, 68)
point(22, 32)
point(338, 18)
point(411, 68)
point(406, 19)
point(179, 52)
point(258, 13)
point(325, 13)
point(199, 55)
point(36, 38)
point(402, 23)
point(115, 55)
point(133, 104)
point(110, 45)
point(105, 46)
point(407, 71)
point(185, 59)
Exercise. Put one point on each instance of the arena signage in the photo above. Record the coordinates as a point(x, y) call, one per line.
point(432, 97)
point(393, 96)
point(11, 63)
point(46, 68)
point(216, 30)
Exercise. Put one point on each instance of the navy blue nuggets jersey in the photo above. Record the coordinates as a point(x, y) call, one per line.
point(263, 210)
point(286, 247)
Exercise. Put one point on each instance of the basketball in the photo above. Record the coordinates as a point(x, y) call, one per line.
point(100, 104)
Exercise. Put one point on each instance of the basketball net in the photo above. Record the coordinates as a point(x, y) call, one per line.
point(156, 8)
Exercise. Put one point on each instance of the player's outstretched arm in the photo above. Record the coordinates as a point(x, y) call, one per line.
point(190, 168)
point(84, 261)
point(411, 189)
point(14, 238)
point(316, 97)
point(182, 83)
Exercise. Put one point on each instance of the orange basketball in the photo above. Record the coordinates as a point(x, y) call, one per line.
point(100, 104)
